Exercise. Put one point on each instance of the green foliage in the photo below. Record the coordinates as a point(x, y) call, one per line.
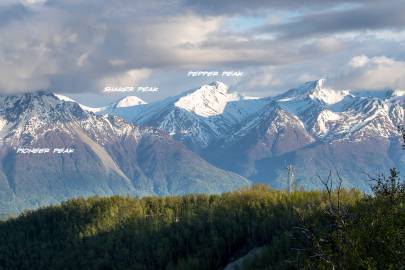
point(367, 233)
point(202, 232)
point(391, 187)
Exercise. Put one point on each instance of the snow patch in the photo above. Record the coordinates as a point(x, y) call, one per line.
point(324, 121)
point(3, 123)
point(329, 96)
point(84, 107)
point(398, 93)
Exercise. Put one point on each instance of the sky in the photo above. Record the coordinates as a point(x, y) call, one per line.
point(80, 47)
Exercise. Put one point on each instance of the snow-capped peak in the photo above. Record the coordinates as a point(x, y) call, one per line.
point(314, 90)
point(128, 102)
point(37, 108)
point(397, 93)
point(208, 100)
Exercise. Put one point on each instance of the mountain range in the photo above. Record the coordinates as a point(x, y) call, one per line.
point(317, 129)
point(313, 127)
point(209, 139)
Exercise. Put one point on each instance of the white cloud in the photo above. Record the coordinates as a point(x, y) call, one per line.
point(33, 2)
point(372, 73)
point(359, 61)
point(329, 44)
point(261, 78)
point(130, 78)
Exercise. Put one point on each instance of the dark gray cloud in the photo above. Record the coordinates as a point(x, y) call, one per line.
point(371, 16)
point(13, 12)
point(258, 6)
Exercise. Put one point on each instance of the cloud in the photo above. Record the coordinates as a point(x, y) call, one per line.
point(263, 77)
point(74, 46)
point(33, 2)
point(12, 12)
point(259, 6)
point(129, 78)
point(82, 45)
point(359, 61)
point(272, 80)
point(374, 15)
point(377, 72)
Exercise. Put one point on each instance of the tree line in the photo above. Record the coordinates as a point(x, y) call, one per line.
point(330, 229)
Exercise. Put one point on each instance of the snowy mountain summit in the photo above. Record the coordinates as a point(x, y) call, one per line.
point(314, 90)
point(196, 117)
point(208, 100)
point(128, 101)
point(344, 114)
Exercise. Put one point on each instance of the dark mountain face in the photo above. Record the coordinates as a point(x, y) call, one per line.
point(273, 133)
point(84, 154)
point(356, 163)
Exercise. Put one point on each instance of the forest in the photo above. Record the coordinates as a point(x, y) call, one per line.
point(333, 228)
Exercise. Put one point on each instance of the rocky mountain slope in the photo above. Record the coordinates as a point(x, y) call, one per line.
point(95, 155)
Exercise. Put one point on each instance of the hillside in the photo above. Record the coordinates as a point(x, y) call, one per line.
point(293, 230)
